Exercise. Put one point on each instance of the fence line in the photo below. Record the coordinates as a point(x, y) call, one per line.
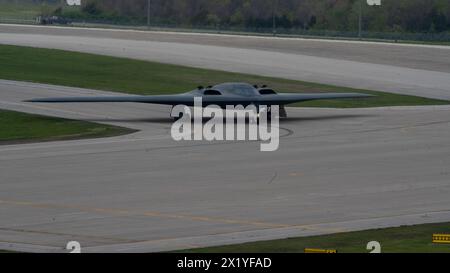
point(443, 37)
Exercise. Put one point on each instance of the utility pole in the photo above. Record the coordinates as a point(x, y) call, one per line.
point(148, 13)
point(360, 19)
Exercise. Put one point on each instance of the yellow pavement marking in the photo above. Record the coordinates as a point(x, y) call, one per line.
point(123, 212)
point(145, 213)
point(296, 174)
point(318, 250)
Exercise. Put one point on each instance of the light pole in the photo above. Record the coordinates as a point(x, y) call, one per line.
point(360, 19)
point(274, 21)
point(148, 13)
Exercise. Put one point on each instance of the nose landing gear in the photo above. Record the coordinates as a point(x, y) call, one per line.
point(282, 111)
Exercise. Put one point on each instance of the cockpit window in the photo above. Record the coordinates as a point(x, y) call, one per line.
point(212, 93)
point(237, 88)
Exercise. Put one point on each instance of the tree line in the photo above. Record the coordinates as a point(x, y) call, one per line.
point(338, 15)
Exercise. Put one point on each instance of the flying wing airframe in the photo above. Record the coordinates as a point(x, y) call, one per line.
point(221, 94)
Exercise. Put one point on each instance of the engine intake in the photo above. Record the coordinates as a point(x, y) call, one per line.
point(211, 92)
point(267, 92)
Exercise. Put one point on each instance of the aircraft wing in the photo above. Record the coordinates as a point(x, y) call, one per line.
point(186, 99)
point(288, 98)
point(182, 99)
point(160, 99)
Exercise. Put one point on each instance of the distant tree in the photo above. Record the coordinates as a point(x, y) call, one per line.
point(92, 8)
point(341, 15)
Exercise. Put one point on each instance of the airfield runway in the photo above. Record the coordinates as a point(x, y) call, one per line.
point(407, 69)
point(336, 170)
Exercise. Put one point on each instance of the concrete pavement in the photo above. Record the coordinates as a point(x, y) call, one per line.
point(336, 170)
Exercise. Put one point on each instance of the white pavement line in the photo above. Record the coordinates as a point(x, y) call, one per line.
point(29, 248)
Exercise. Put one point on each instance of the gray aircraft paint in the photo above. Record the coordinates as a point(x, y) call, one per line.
point(221, 94)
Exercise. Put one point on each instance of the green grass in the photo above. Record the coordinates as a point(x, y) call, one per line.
point(29, 11)
point(410, 239)
point(18, 127)
point(19, 11)
point(149, 78)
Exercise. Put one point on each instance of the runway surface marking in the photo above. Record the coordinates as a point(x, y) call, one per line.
point(125, 212)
